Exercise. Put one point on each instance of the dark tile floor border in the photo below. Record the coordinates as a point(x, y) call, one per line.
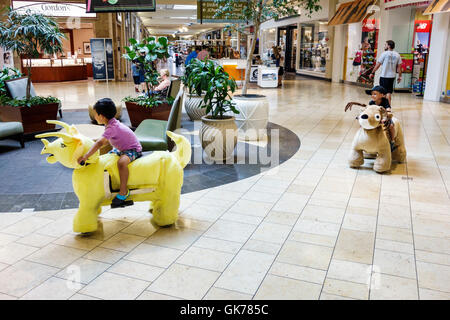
point(29, 182)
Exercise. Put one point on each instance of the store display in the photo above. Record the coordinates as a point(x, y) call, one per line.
point(313, 47)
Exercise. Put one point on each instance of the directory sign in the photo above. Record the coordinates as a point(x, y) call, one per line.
point(102, 59)
point(120, 5)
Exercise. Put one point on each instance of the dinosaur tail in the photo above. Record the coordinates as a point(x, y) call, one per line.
point(183, 149)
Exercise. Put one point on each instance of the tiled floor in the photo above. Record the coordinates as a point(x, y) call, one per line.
point(311, 228)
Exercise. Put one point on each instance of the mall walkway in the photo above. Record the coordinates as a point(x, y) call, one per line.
point(311, 228)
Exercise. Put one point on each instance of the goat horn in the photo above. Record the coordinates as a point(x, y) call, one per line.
point(63, 135)
point(60, 123)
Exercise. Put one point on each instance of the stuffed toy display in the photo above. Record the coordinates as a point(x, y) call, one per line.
point(373, 138)
point(157, 177)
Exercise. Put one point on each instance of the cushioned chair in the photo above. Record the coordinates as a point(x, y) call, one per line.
point(12, 130)
point(152, 133)
point(174, 88)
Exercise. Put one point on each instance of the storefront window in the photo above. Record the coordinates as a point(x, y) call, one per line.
point(269, 37)
point(313, 46)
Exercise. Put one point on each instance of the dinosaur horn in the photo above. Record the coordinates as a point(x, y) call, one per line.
point(65, 136)
point(60, 123)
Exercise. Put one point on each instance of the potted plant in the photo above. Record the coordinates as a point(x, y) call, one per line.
point(195, 87)
point(218, 133)
point(28, 34)
point(149, 105)
point(254, 108)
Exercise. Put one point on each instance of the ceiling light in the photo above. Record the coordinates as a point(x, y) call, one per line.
point(184, 7)
point(180, 18)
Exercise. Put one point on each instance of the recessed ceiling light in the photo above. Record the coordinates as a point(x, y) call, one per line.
point(184, 7)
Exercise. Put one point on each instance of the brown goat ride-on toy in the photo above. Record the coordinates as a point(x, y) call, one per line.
point(373, 138)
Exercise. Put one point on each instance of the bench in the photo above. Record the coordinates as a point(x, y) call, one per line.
point(151, 133)
point(12, 130)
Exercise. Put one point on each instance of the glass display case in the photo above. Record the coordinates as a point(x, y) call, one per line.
point(56, 62)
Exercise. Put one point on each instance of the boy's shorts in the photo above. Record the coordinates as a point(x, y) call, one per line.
point(137, 80)
point(131, 153)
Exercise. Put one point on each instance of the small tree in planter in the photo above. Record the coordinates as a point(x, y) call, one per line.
point(146, 53)
point(26, 34)
point(255, 12)
point(218, 133)
point(195, 87)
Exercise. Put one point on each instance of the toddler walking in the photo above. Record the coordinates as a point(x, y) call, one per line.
point(125, 145)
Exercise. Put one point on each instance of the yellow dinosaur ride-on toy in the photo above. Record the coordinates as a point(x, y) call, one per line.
point(157, 177)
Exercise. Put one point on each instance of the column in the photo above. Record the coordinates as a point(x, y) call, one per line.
point(437, 57)
point(329, 63)
point(384, 34)
point(338, 53)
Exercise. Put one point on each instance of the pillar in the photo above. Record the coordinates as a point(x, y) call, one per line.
point(437, 57)
point(338, 53)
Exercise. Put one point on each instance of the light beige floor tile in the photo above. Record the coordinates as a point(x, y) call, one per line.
point(56, 214)
point(278, 288)
point(220, 194)
point(123, 242)
point(78, 242)
point(111, 286)
point(359, 223)
point(230, 230)
point(53, 289)
point(83, 270)
point(271, 232)
point(279, 217)
point(433, 276)
point(223, 294)
point(356, 246)
point(346, 289)
point(394, 246)
point(298, 272)
point(362, 211)
point(426, 294)
point(6, 297)
point(394, 263)
point(142, 227)
point(224, 203)
point(291, 202)
point(262, 246)
point(26, 226)
point(218, 245)
point(203, 212)
point(327, 241)
point(394, 234)
point(433, 228)
point(306, 255)
point(261, 196)
point(205, 259)
point(245, 272)
point(237, 217)
point(149, 295)
point(136, 270)
point(13, 252)
point(387, 287)
point(36, 240)
point(184, 282)
point(432, 244)
point(105, 255)
point(192, 224)
point(317, 227)
point(11, 218)
point(7, 238)
point(350, 271)
point(78, 296)
point(26, 275)
point(108, 228)
point(251, 208)
point(56, 256)
point(153, 255)
point(327, 296)
point(432, 257)
point(57, 228)
point(3, 266)
point(394, 216)
point(127, 214)
point(324, 214)
point(175, 238)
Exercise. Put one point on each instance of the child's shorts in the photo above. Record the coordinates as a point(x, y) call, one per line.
point(131, 153)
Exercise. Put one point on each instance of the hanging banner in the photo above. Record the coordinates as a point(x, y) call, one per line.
point(391, 4)
point(206, 10)
point(109, 58)
point(53, 9)
point(120, 5)
point(102, 59)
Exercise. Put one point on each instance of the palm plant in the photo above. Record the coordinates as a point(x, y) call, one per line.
point(28, 34)
point(255, 12)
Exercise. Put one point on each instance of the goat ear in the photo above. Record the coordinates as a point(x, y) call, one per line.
point(73, 130)
point(45, 142)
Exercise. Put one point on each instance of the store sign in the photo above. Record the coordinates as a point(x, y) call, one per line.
point(120, 5)
point(391, 4)
point(407, 62)
point(422, 25)
point(206, 9)
point(369, 25)
point(53, 9)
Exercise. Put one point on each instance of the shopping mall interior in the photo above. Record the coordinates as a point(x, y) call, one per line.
point(266, 202)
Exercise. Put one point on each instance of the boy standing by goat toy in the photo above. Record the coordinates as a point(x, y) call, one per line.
point(125, 144)
point(378, 94)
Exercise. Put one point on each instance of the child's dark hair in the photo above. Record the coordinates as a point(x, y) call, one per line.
point(105, 107)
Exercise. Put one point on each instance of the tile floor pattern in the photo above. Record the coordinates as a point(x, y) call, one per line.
point(311, 228)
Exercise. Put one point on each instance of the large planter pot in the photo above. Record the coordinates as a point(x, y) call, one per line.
point(252, 117)
point(218, 137)
point(139, 113)
point(192, 105)
point(34, 118)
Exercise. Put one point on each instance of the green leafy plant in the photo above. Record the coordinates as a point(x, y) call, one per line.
point(255, 12)
point(146, 53)
point(217, 84)
point(28, 34)
point(149, 101)
point(5, 75)
point(33, 101)
point(196, 77)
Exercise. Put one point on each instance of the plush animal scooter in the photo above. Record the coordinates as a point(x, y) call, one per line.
point(157, 177)
point(372, 138)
